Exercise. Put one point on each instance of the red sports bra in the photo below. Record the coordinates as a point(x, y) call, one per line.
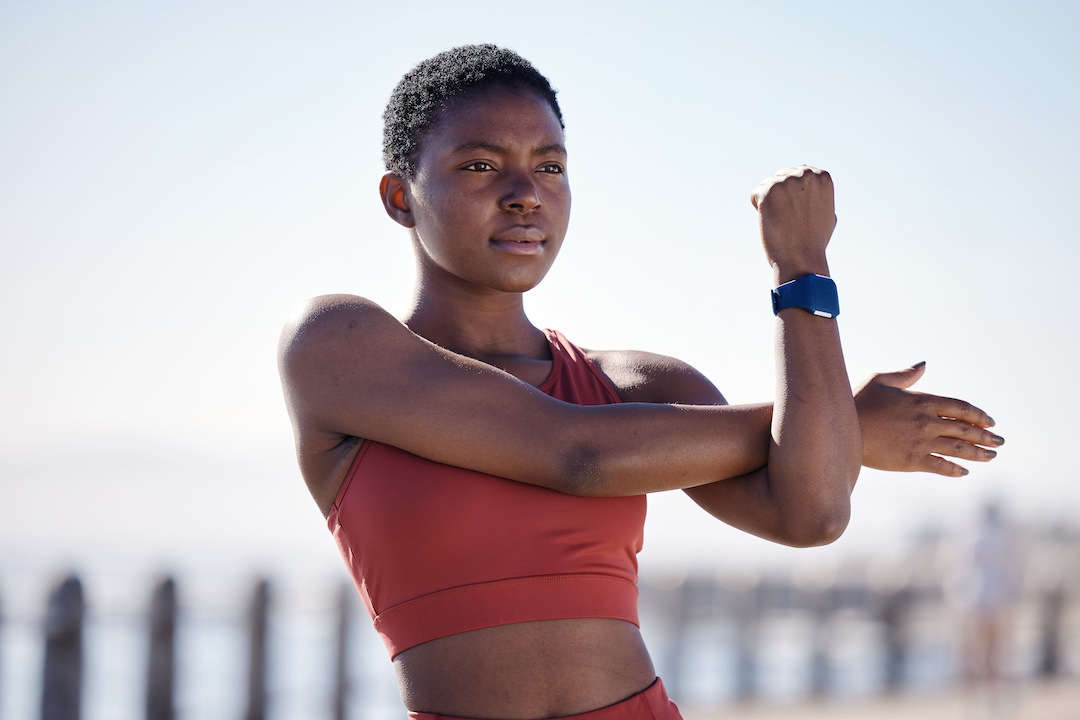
point(437, 550)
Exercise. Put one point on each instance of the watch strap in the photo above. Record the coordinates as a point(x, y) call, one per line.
point(814, 293)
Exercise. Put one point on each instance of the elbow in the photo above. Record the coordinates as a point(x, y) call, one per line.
point(822, 518)
point(818, 527)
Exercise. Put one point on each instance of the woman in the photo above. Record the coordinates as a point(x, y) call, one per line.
point(484, 478)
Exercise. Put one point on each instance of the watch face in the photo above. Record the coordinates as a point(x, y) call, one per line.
point(826, 303)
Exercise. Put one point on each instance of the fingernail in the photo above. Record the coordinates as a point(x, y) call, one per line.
point(992, 423)
point(990, 454)
point(998, 440)
point(918, 365)
point(964, 471)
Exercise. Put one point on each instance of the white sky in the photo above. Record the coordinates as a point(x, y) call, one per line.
point(176, 178)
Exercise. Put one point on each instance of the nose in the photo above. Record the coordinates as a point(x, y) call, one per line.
point(521, 195)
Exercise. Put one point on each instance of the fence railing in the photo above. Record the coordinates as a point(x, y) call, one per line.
point(62, 678)
point(683, 606)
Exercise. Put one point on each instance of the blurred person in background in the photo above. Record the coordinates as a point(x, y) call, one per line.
point(484, 479)
point(994, 584)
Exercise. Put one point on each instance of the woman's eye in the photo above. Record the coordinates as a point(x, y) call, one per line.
point(479, 166)
point(552, 168)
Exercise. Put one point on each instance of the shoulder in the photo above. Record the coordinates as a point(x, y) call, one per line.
point(328, 323)
point(640, 376)
point(331, 340)
point(332, 313)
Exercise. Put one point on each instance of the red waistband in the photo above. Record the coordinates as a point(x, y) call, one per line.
point(483, 605)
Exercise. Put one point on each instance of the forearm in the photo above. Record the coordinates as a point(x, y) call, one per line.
point(638, 448)
point(816, 447)
point(800, 497)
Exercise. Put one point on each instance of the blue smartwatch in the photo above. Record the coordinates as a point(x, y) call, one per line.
point(813, 293)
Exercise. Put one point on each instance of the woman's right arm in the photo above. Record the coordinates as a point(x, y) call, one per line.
point(350, 368)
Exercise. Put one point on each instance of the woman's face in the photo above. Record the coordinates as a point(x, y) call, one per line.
point(490, 200)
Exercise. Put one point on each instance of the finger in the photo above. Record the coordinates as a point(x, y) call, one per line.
point(902, 378)
point(960, 410)
point(759, 192)
point(960, 449)
point(941, 466)
point(967, 432)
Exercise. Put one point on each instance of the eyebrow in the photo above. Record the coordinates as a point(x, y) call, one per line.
point(498, 149)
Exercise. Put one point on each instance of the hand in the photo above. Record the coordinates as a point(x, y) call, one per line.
point(796, 214)
point(909, 431)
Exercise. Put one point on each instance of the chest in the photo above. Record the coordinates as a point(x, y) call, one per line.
point(452, 526)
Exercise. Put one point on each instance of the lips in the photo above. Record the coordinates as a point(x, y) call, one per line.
point(519, 240)
point(520, 234)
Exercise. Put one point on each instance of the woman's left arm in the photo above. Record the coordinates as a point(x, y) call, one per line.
point(902, 430)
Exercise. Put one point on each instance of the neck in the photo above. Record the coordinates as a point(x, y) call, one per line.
point(475, 322)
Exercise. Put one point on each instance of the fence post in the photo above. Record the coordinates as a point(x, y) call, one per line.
point(893, 612)
point(161, 668)
point(1050, 631)
point(256, 705)
point(821, 604)
point(62, 676)
point(341, 652)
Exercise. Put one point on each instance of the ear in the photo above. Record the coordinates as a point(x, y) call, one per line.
point(395, 200)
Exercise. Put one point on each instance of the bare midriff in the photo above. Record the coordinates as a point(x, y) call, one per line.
point(526, 671)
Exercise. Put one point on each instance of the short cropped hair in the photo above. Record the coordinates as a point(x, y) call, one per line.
point(429, 88)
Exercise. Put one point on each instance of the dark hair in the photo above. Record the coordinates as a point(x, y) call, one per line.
point(429, 87)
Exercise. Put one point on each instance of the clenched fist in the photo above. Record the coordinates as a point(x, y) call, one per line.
point(796, 213)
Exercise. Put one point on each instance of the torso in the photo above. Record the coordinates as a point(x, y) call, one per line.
point(556, 667)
